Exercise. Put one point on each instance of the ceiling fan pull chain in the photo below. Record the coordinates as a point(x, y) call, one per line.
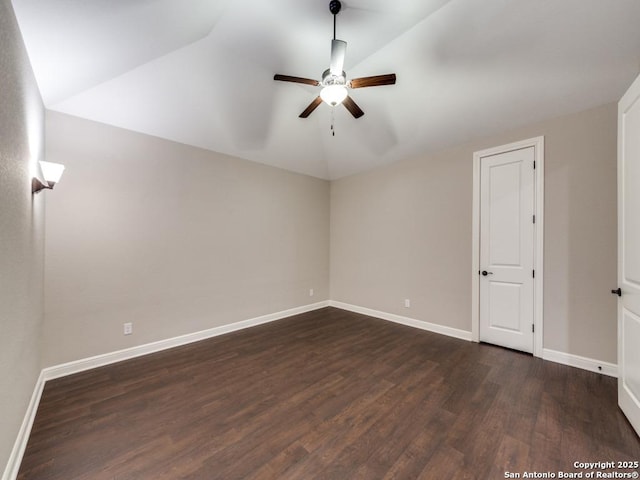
point(333, 130)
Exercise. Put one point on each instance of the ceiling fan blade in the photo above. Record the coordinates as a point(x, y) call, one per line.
point(312, 106)
point(338, 52)
point(353, 108)
point(376, 81)
point(288, 78)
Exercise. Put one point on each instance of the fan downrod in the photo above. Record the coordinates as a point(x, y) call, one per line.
point(335, 6)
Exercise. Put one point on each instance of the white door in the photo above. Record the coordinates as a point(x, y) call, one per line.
point(507, 249)
point(629, 254)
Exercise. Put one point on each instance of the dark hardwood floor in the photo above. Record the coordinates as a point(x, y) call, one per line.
point(326, 395)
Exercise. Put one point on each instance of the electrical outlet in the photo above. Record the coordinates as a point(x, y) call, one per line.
point(311, 292)
point(128, 328)
point(407, 303)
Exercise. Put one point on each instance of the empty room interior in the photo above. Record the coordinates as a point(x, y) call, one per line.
point(316, 239)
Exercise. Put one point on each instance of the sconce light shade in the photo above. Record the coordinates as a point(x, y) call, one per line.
point(51, 173)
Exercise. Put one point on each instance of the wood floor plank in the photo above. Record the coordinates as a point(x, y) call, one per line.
point(328, 394)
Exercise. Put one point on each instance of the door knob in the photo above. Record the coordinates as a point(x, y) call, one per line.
point(485, 273)
point(618, 292)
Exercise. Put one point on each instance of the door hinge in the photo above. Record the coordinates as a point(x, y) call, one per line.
point(534, 164)
point(533, 328)
point(534, 219)
point(533, 273)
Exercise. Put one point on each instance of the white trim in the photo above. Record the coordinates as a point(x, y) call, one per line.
point(77, 366)
point(475, 252)
point(57, 371)
point(15, 459)
point(20, 445)
point(590, 364)
point(410, 322)
point(538, 319)
point(605, 368)
point(538, 346)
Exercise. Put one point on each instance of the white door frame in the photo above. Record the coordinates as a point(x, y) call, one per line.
point(538, 144)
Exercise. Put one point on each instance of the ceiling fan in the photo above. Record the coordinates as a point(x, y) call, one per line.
point(334, 81)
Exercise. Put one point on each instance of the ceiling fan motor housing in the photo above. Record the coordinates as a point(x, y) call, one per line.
point(329, 79)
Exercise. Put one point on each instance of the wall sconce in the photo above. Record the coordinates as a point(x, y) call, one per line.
point(51, 172)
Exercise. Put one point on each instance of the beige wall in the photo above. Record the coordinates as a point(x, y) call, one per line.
point(177, 239)
point(21, 240)
point(404, 231)
point(172, 238)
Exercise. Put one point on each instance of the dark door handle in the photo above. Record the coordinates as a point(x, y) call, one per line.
point(618, 292)
point(485, 273)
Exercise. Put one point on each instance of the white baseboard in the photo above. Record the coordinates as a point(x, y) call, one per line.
point(20, 445)
point(77, 366)
point(57, 371)
point(410, 322)
point(605, 368)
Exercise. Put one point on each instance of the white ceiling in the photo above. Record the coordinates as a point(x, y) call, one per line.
point(201, 72)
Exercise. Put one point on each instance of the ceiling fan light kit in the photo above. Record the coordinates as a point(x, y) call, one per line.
point(333, 94)
point(334, 89)
point(334, 80)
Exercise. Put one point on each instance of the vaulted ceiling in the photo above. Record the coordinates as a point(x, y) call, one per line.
point(200, 72)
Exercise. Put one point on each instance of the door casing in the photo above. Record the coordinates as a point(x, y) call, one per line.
point(538, 144)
